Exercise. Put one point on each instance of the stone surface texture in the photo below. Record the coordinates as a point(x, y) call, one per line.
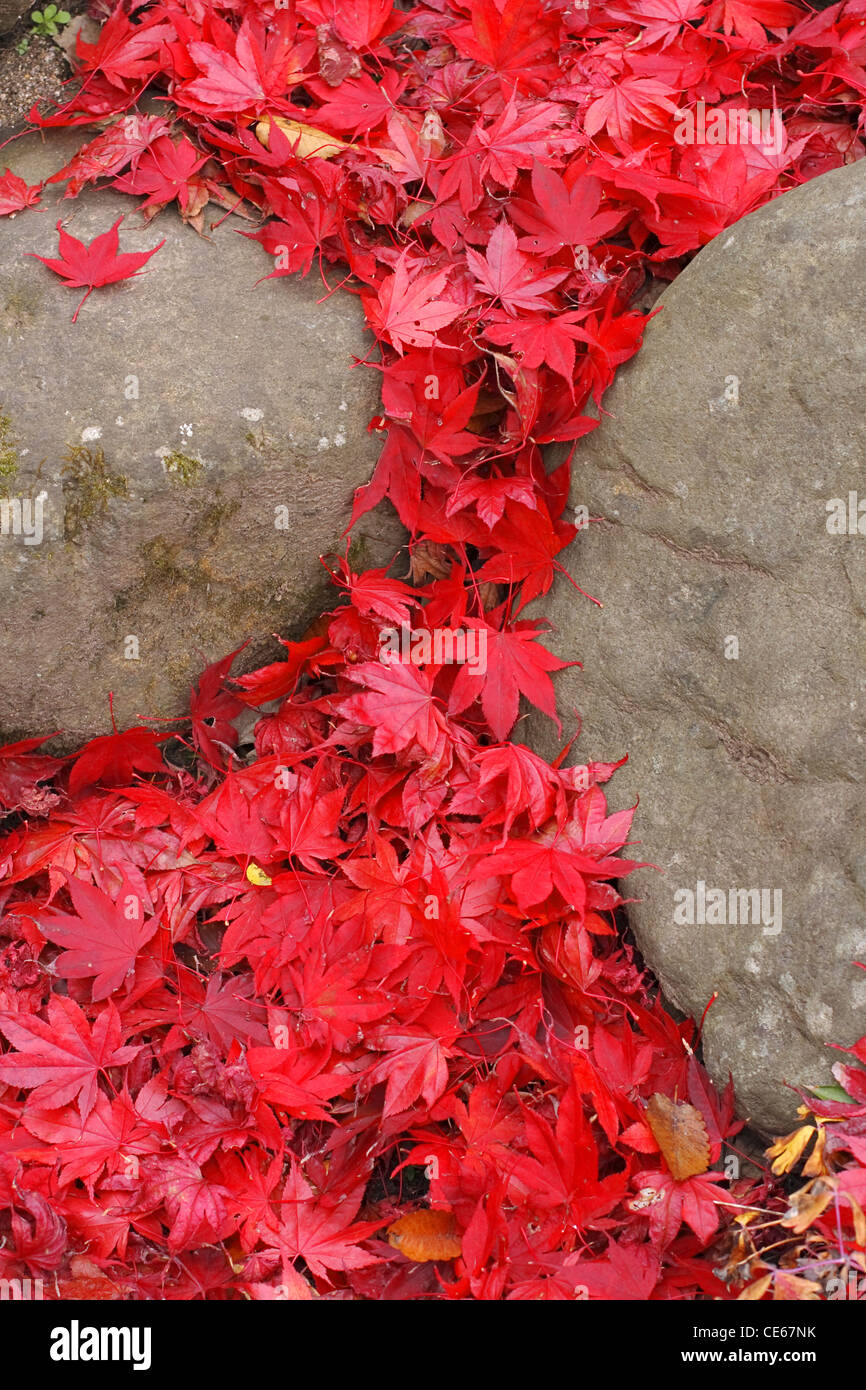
point(10, 13)
point(165, 429)
point(729, 659)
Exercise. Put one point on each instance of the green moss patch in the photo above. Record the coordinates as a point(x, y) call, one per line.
point(88, 485)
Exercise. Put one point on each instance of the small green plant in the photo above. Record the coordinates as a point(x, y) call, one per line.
point(49, 21)
point(23, 46)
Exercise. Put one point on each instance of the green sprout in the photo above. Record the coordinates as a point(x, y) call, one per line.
point(49, 21)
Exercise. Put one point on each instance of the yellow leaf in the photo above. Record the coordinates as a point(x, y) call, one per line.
point(306, 141)
point(815, 1167)
point(258, 876)
point(786, 1151)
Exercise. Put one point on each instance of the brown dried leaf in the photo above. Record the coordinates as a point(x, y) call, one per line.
point(806, 1205)
point(428, 560)
point(681, 1134)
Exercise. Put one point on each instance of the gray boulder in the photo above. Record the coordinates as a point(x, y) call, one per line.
point(10, 13)
point(728, 546)
point(195, 439)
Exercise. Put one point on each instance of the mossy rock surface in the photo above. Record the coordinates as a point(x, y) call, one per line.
point(196, 440)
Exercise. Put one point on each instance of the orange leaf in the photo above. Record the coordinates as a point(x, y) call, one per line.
point(426, 1235)
point(681, 1134)
point(755, 1292)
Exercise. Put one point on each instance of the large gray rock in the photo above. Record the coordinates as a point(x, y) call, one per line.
point(165, 428)
point(10, 13)
point(728, 659)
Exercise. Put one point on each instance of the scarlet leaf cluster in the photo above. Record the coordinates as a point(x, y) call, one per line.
point(265, 1002)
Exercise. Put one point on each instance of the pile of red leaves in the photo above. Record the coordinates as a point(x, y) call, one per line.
point(262, 1004)
point(254, 1015)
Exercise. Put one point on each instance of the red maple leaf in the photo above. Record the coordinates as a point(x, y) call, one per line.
point(747, 17)
point(407, 308)
point(515, 663)
point(417, 1067)
point(294, 1080)
point(398, 704)
point(360, 103)
point(659, 19)
point(669, 1203)
point(264, 64)
point(62, 1059)
point(516, 140)
point(99, 263)
point(103, 938)
point(104, 1140)
point(364, 21)
point(125, 49)
point(122, 143)
point(195, 1205)
point(560, 215)
point(510, 38)
point(550, 860)
point(21, 769)
point(223, 1010)
point(489, 495)
point(539, 340)
point(112, 759)
point(15, 194)
point(625, 1272)
point(309, 821)
point(527, 542)
point(306, 220)
point(212, 708)
point(510, 276)
point(165, 171)
point(234, 821)
point(627, 101)
point(320, 1229)
point(281, 677)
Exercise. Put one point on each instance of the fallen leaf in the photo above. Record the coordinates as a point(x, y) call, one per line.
point(306, 141)
point(681, 1134)
point(426, 1235)
point(99, 263)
